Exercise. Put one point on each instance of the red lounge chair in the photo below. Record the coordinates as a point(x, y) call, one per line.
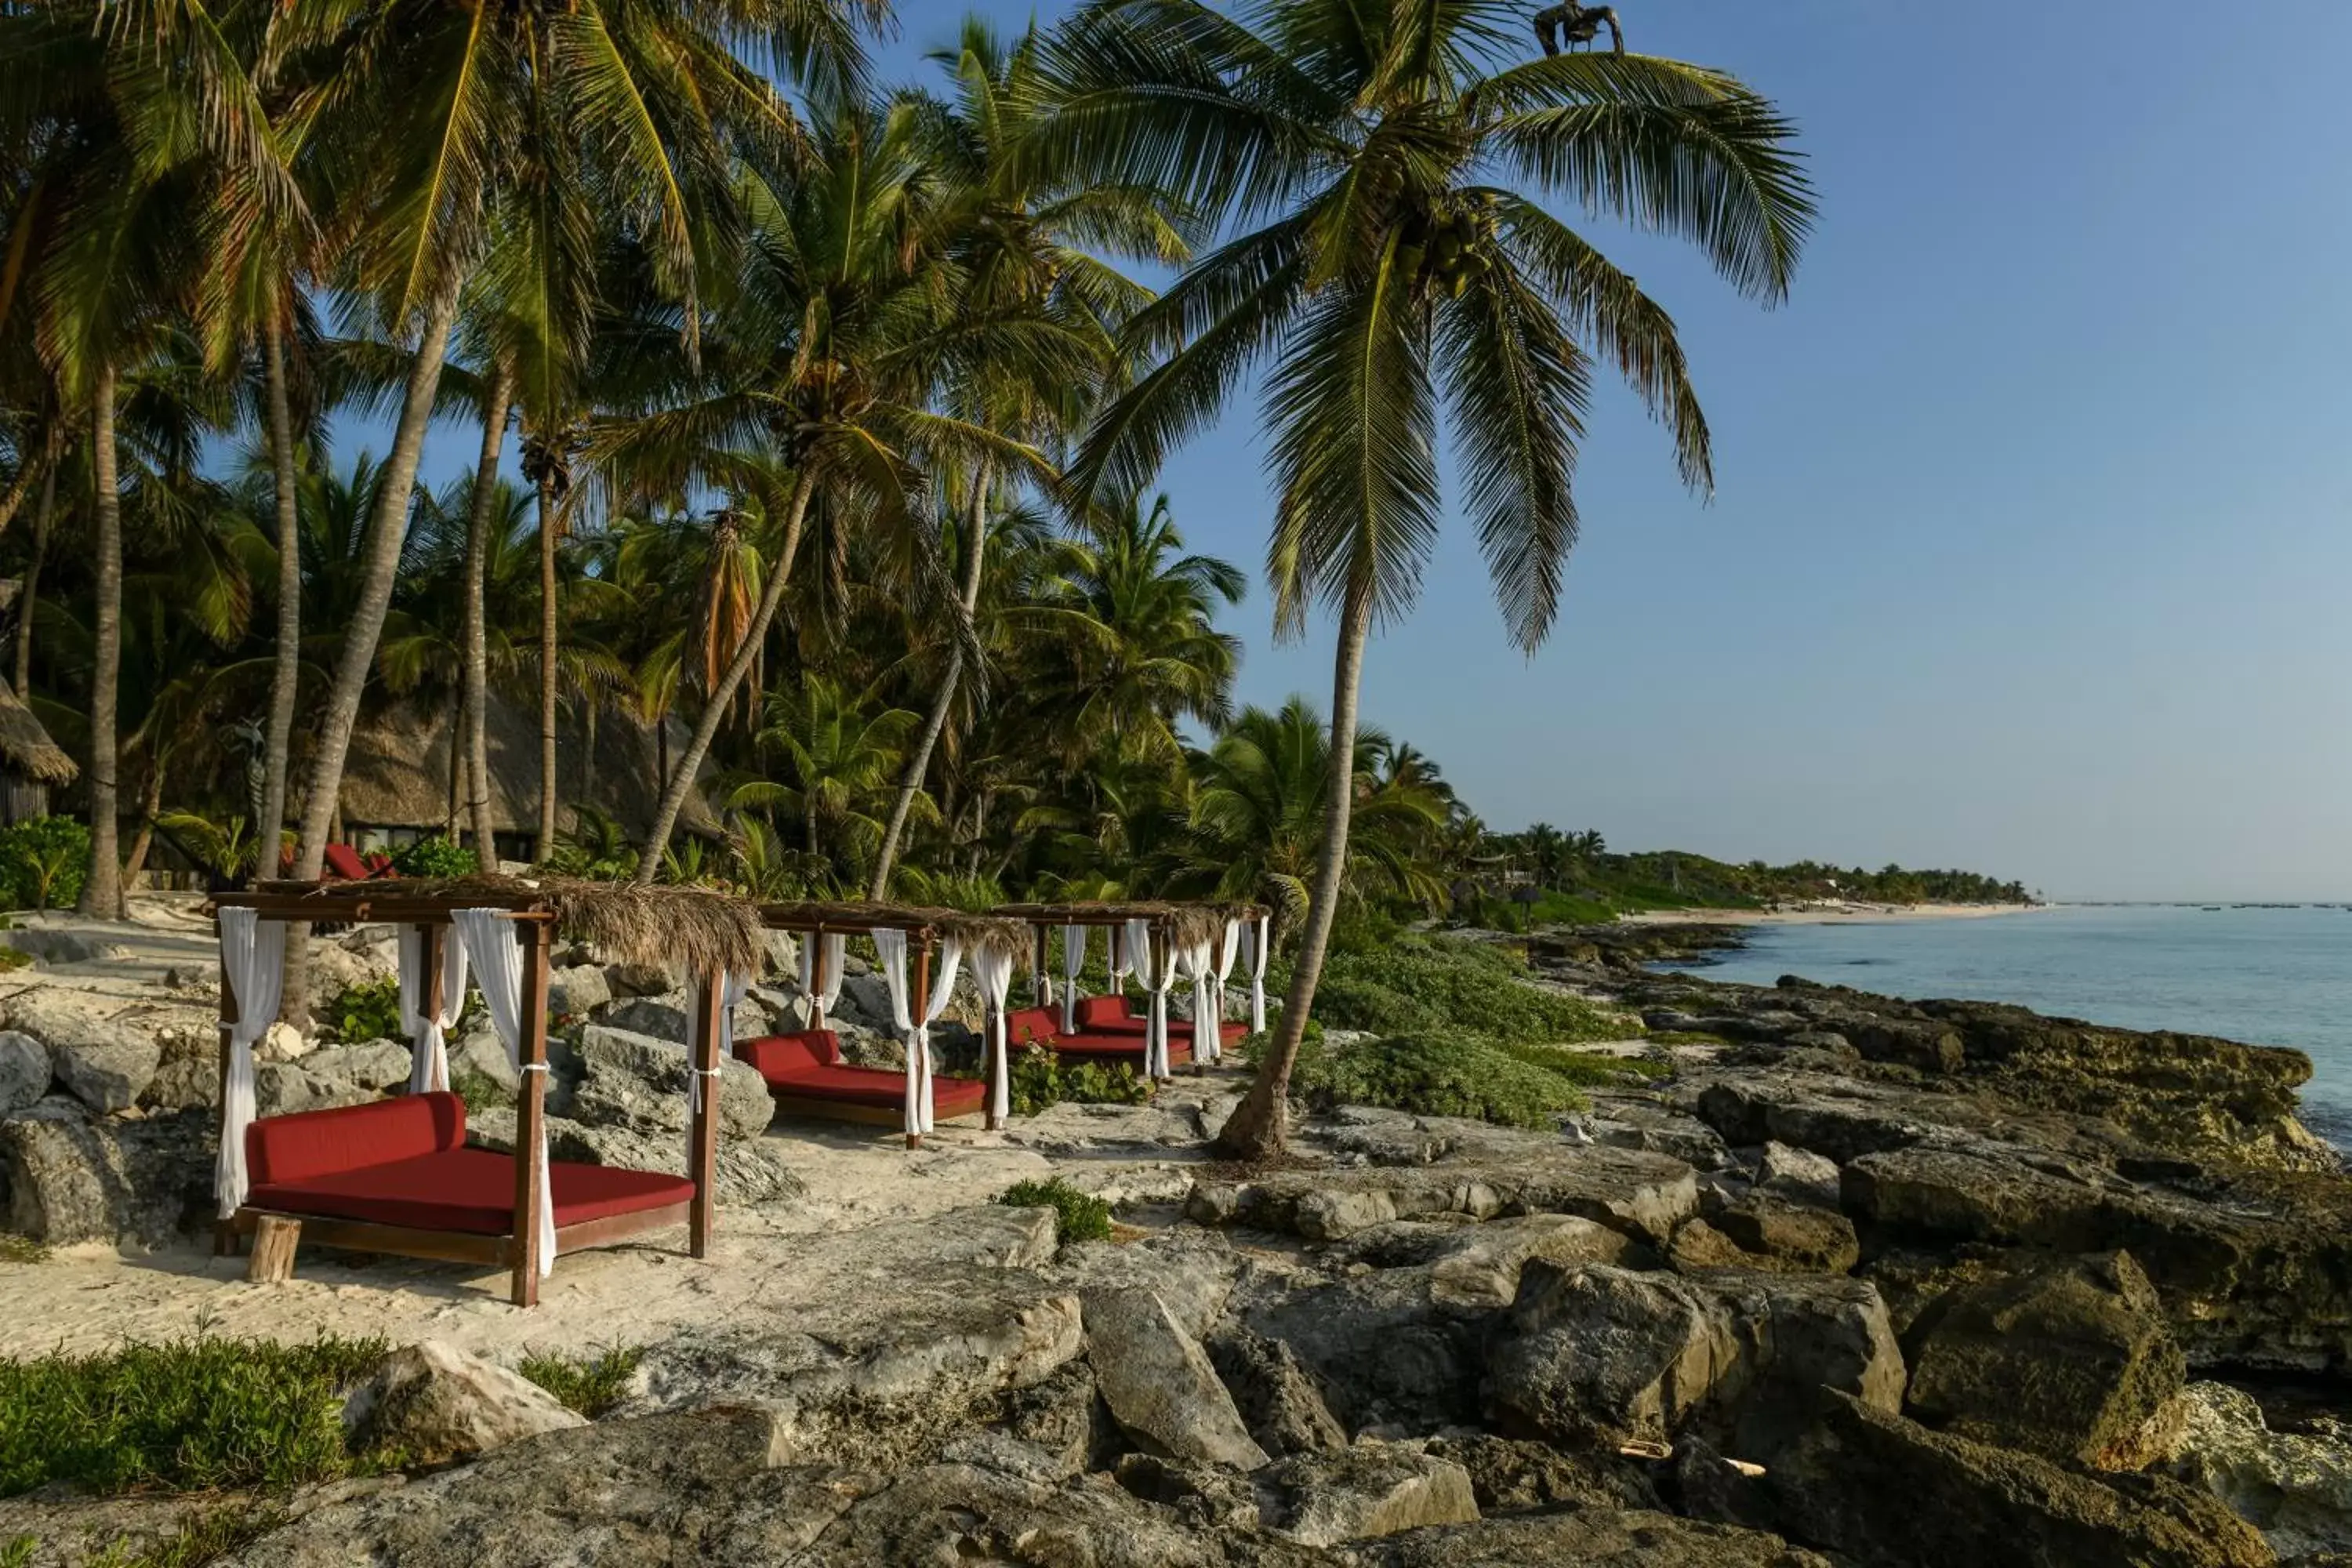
point(395, 1175)
point(806, 1075)
point(348, 865)
point(1108, 1015)
point(1031, 1026)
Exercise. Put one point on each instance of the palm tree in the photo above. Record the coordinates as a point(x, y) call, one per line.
point(1017, 247)
point(1387, 171)
point(839, 750)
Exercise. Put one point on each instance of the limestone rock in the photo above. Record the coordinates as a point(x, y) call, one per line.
point(284, 1089)
point(748, 1171)
point(1768, 1231)
point(70, 1177)
point(577, 991)
point(2070, 1359)
point(2296, 1488)
point(23, 1070)
point(434, 1403)
point(637, 979)
point(1797, 1174)
point(661, 1016)
point(183, 1083)
point(106, 1074)
point(1158, 1382)
point(58, 944)
point(1386, 1353)
point(616, 1077)
point(1479, 1264)
point(1277, 1399)
point(1372, 1490)
point(867, 997)
point(1594, 1351)
point(1514, 1475)
point(1600, 1538)
point(369, 1065)
point(1885, 1489)
point(281, 1042)
point(479, 1053)
point(1191, 1270)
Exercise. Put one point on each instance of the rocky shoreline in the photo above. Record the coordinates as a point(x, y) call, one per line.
point(1860, 1283)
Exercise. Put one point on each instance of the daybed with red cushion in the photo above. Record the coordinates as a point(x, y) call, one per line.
point(347, 863)
point(395, 1175)
point(1108, 1015)
point(806, 1075)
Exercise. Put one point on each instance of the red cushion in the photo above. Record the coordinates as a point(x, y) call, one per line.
point(1032, 1026)
point(1127, 1049)
point(344, 861)
point(1108, 1015)
point(468, 1191)
point(878, 1088)
point(772, 1053)
point(320, 1143)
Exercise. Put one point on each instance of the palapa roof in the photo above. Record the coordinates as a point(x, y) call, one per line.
point(989, 930)
point(694, 929)
point(26, 747)
point(1187, 923)
point(397, 773)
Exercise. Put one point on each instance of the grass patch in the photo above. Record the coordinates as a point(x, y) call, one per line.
point(12, 957)
point(1590, 1070)
point(480, 1090)
point(185, 1415)
point(1422, 986)
point(16, 1249)
point(1039, 1080)
point(203, 1539)
point(1077, 1216)
point(593, 1385)
point(1441, 1075)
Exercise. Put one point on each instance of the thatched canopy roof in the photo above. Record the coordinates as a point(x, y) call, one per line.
point(973, 931)
point(27, 748)
point(397, 775)
point(690, 928)
point(1184, 924)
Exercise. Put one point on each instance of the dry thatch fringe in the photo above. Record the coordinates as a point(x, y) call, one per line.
point(26, 747)
point(992, 934)
point(693, 930)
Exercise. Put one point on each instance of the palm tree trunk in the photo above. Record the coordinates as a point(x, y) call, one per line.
point(380, 563)
point(31, 468)
point(920, 762)
point(42, 515)
point(715, 703)
point(102, 894)
point(1258, 1130)
point(285, 678)
point(150, 805)
point(477, 678)
point(546, 663)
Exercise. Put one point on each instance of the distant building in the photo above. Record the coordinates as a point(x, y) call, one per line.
point(399, 784)
point(31, 763)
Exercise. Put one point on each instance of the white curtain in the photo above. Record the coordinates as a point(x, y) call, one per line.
point(1258, 945)
point(428, 1071)
point(834, 949)
point(490, 939)
point(992, 971)
point(732, 990)
point(891, 945)
point(1229, 947)
point(1074, 959)
point(1201, 965)
point(253, 969)
point(1123, 961)
point(1155, 979)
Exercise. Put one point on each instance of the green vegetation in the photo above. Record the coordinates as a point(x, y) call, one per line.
point(185, 1415)
point(1416, 985)
point(19, 1249)
point(1039, 1079)
point(368, 1010)
point(479, 1089)
point(1077, 1215)
point(591, 1385)
point(44, 861)
point(1438, 1075)
point(435, 856)
point(212, 1534)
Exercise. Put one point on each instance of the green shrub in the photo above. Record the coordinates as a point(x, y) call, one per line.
point(1417, 985)
point(44, 861)
point(185, 1415)
point(589, 1385)
point(1077, 1215)
point(1589, 1069)
point(1438, 1075)
point(435, 857)
point(1039, 1079)
point(479, 1089)
point(367, 1010)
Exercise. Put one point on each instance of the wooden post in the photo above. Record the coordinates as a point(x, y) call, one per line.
point(915, 1006)
point(1117, 932)
point(1043, 991)
point(224, 1232)
point(531, 1110)
point(433, 936)
point(702, 1135)
point(274, 1238)
point(816, 979)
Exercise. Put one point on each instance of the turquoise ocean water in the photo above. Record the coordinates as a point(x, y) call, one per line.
point(2269, 977)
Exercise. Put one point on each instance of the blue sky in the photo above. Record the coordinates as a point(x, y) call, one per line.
point(2027, 553)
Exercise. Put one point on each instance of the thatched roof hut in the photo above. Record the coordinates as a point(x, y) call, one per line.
point(854, 918)
point(396, 780)
point(1183, 924)
point(30, 763)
